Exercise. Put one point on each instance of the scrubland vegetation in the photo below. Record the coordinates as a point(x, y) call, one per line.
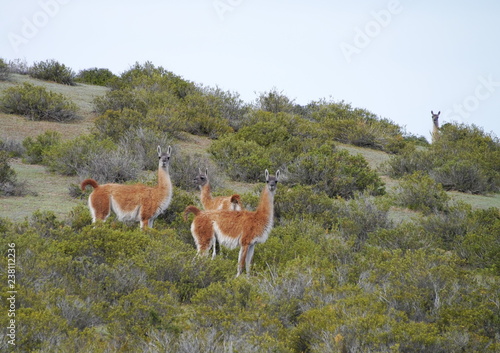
point(339, 273)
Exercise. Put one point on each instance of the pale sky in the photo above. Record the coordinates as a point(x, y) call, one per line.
point(399, 59)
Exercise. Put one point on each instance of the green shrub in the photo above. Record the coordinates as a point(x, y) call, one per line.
point(265, 133)
point(75, 157)
point(360, 216)
point(199, 115)
point(115, 124)
point(419, 192)
point(154, 79)
point(241, 160)
point(406, 236)
point(465, 176)
point(229, 105)
point(141, 310)
point(357, 126)
point(409, 161)
point(274, 102)
point(36, 148)
point(52, 70)
point(4, 70)
point(9, 185)
point(464, 158)
point(236, 311)
point(95, 76)
point(103, 244)
point(302, 202)
point(37, 103)
point(119, 100)
point(337, 173)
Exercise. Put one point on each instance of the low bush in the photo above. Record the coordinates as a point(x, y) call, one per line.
point(52, 70)
point(142, 143)
point(406, 236)
point(337, 173)
point(357, 126)
point(18, 66)
point(76, 156)
point(37, 147)
point(95, 76)
point(228, 104)
point(4, 70)
point(275, 102)
point(115, 124)
point(201, 115)
point(361, 216)
point(464, 158)
point(13, 147)
point(114, 166)
point(466, 176)
point(37, 103)
point(241, 160)
point(119, 100)
point(409, 161)
point(302, 202)
point(420, 192)
point(9, 185)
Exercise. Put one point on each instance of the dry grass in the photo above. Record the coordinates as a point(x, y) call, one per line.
point(51, 193)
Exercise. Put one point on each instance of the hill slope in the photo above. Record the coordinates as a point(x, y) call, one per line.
point(52, 190)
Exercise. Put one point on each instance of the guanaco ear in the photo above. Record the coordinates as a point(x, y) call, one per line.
point(206, 172)
point(267, 175)
point(277, 174)
point(432, 112)
point(169, 150)
point(158, 149)
point(439, 112)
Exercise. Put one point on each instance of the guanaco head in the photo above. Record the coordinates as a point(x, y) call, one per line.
point(272, 181)
point(202, 178)
point(164, 158)
point(435, 118)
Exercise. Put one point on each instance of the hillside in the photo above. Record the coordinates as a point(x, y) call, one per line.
point(52, 190)
point(349, 265)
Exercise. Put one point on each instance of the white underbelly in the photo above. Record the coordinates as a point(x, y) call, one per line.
point(122, 215)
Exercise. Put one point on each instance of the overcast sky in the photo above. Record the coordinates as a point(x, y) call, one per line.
point(400, 59)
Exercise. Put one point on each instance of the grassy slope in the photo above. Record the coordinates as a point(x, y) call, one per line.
point(18, 128)
point(52, 190)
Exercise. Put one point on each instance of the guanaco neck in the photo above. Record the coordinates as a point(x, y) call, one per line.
point(206, 193)
point(164, 181)
point(266, 203)
point(435, 130)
